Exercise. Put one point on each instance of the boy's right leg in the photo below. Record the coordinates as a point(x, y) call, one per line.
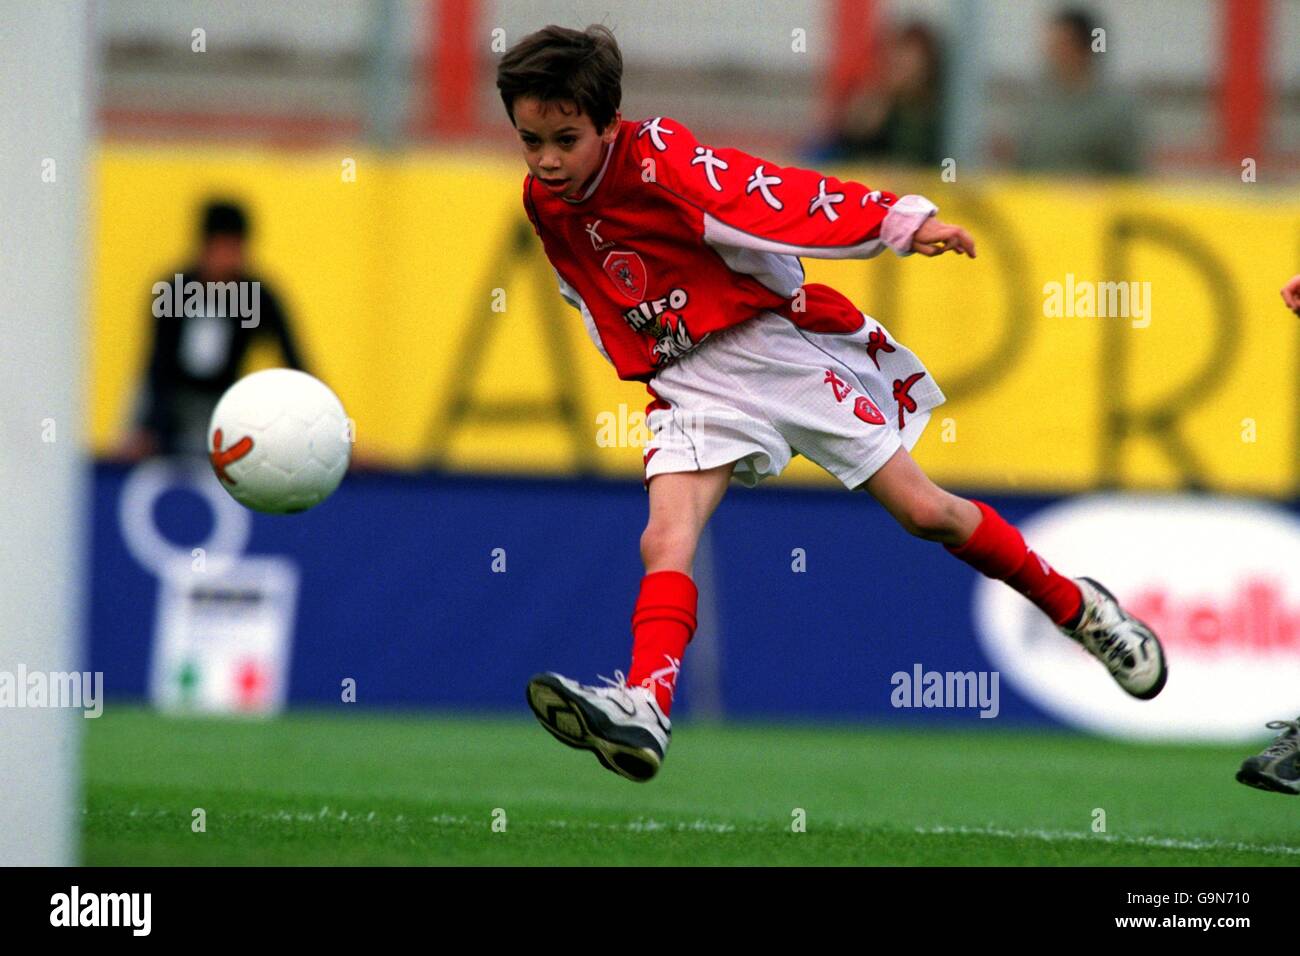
point(625, 723)
point(663, 620)
point(681, 504)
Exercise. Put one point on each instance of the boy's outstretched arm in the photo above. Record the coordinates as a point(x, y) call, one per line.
point(934, 238)
point(756, 204)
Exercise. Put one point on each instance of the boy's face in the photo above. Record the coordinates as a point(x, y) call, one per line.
point(561, 146)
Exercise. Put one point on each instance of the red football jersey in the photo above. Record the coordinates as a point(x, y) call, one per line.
point(673, 241)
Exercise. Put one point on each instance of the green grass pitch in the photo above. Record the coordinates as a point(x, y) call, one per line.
point(365, 788)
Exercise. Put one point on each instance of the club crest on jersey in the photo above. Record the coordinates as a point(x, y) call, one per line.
point(627, 272)
point(866, 410)
point(863, 407)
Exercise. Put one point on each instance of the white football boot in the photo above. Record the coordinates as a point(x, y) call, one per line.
point(1129, 649)
point(623, 726)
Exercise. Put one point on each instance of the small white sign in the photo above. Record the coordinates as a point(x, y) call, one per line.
point(223, 638)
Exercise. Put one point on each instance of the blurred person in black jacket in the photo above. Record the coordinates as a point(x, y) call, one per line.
point(204, 319)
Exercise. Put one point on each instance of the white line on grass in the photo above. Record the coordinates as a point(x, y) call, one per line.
point(711, 826)
point(1055, 836)
point(325, 814)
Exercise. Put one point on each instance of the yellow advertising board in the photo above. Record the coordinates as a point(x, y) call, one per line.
point(1106, 335)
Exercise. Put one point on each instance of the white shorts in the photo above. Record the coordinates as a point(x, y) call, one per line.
point(765, 390)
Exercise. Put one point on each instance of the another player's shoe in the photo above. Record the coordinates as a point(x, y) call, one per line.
point(1129, 649)
point(623, 726)
point(1277, 766)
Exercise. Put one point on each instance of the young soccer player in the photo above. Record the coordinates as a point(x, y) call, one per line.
point(1277, 766)
point(683, 261)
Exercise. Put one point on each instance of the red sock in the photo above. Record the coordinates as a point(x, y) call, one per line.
point(662, 625)
point(997, 550)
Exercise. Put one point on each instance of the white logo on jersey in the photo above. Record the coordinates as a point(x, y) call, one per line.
point(711, 162)
point(656, 132)
point(873, 196)
point(825, 202)
point(597, 242)
point(760, 182)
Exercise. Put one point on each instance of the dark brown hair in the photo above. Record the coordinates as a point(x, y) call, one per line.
point(556, 64)
point(1079, 23)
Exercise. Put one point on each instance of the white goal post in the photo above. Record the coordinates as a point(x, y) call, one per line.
point(45, 116)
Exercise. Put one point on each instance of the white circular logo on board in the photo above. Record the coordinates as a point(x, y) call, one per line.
point(148, 482)
point(1217, 579)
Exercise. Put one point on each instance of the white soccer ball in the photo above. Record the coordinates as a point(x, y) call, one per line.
point(279, 441)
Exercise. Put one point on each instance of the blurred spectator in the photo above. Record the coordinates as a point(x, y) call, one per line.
point(902, 121)
point(1074, 122)
point(199, 341)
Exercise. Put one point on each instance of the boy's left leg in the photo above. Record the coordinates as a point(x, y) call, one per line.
point(976, 533)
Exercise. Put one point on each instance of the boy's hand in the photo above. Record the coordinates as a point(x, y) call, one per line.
point(1291, 294)
point(934, 238)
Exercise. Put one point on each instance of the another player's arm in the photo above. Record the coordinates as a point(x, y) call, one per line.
point(757, 204)
point(1291, 294)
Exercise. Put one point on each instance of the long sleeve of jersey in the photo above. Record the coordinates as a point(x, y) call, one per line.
point(751, 203)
